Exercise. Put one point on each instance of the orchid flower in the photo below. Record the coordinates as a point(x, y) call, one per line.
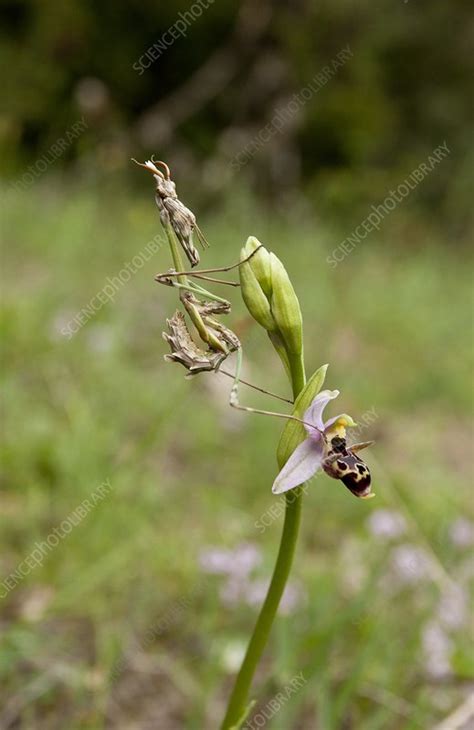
point(325, 448)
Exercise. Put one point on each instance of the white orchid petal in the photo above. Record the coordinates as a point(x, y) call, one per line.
point(314, 414)
point(302, 465)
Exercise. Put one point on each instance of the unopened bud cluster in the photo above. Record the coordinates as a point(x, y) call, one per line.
point(270, 298)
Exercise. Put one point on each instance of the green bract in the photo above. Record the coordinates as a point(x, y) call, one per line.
point(294, 433)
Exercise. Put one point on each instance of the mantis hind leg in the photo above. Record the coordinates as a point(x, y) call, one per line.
point(234, 398)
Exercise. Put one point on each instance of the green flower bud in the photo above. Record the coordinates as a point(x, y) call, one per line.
point(285, 307)
point(271, 299)
point(260, 264)
point(255, 278)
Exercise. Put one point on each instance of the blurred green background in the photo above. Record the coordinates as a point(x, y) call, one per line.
point(138, 617)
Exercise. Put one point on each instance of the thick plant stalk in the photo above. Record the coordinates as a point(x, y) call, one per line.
point(238, 702)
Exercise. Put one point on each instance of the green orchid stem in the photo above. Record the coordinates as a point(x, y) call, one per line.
point(236, 710)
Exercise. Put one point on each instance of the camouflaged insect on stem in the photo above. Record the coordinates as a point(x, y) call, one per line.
point(182, 220)
point(202, 307)
point(185, 351)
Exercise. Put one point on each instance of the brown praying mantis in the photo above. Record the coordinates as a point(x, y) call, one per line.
point(182, 220)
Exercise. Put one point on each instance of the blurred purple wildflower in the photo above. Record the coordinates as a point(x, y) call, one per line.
point(239, 587)
point(387, 524)
point(461, 532)
point(437, 649)
point(291, 599)
point(453, 608)
point(238, 562)
point(410, 563)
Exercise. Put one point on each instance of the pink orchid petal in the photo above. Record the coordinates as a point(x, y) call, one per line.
point(314, 414)
point(302, 464)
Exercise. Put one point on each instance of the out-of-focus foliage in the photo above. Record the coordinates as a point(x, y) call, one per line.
point(120, 626)
point(403, 92)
